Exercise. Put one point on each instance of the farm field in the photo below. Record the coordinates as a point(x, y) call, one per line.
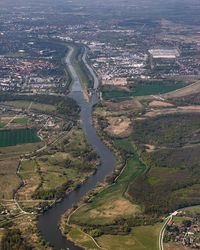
point(9, 181)
point(1, 234)
point(82, 239)
point(14, 137)
point(2, 124)
point(13, 121)
point(142, 89)
point(31, 105)
point(140, 238)
point(12, 152)
point(22, 120)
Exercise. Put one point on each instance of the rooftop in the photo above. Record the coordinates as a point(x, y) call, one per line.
point(164, 53)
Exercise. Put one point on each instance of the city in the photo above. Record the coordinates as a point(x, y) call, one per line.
point(99, 124)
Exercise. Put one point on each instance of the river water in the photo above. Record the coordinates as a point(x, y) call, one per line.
point(49, 221)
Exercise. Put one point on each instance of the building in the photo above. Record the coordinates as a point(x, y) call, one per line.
point(163, 57)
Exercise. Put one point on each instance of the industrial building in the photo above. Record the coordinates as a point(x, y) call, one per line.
point(161, 58)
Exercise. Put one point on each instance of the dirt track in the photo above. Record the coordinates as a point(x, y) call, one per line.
point(185, 109)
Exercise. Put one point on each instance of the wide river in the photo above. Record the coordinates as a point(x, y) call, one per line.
point(49, 221)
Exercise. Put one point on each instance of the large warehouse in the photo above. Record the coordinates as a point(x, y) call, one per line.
point(164, 53)
point(163, 58)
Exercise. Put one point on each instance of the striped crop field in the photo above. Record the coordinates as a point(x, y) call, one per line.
point(14, 137)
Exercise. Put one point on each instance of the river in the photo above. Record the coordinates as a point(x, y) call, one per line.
point(49, 221)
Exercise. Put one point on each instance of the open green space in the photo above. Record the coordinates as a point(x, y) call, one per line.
point(112, 197)
point(112, 93)
point(82, 239)
point(14, 137)
point(141, 89)
point(125, 145)
point(1, 233)
point(32, 105)
point(155, 88)
point(2, 124)
point(21, 120)
point(9, 181)
point(12, 152)
point(140, 238)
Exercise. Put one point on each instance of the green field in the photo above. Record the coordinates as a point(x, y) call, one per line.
point(1, 234)
point(21, 120)
point(14, 137)
point(9, 181)
point(125, 145)
point(82, 239)
point(141, 89)
point(2, 124)
point(140, 238)
point(31, 105)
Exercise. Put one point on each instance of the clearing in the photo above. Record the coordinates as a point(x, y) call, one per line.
point(160, 104)
point(119, 126)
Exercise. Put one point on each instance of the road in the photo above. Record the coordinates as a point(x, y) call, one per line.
point(96, 81)
point(162, 231)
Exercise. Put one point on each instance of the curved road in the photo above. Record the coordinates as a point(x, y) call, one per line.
point(162, 232)
point(49, 221)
